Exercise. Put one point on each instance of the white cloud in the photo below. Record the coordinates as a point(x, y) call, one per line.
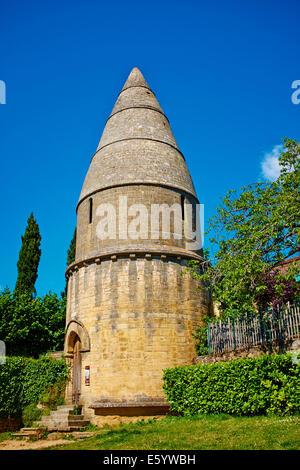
point(270, 165)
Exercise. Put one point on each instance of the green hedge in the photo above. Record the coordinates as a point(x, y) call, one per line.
point(23, 381)
point(264, 385)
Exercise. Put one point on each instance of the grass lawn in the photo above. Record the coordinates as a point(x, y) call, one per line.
point(213, 432)
point(4, 436)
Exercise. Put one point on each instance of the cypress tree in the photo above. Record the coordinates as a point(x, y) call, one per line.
point(29, 258)
point(72, 250)
point(70, 258)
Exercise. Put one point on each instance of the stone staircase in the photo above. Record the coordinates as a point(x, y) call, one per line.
point(29, 433)
point(63, 419)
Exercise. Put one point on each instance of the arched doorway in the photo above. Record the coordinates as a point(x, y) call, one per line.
point(77, 342)
point(76, 372)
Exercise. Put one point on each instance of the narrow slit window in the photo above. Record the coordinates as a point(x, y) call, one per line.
point(182, 206)
point(91, 211)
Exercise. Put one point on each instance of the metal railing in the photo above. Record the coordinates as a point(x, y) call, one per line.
point(274, 326)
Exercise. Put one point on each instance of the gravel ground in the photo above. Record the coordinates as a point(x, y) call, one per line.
point(14, 444)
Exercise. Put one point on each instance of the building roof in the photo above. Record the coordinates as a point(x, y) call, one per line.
point(283, 267)
point(137, 145)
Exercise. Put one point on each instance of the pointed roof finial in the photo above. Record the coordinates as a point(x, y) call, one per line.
point(135, 79)
point(136, 93)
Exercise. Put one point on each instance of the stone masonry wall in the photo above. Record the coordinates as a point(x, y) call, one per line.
point(88, 243)
point(140, 316)
point(255, 351)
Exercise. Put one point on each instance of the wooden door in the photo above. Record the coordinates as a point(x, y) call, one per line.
point(76, 371)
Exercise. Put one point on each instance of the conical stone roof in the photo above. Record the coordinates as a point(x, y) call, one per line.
point(137, 145)
point(135, 79)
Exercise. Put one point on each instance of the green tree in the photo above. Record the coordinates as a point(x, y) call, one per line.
point(29, 258)
point(72, 250)
point(70, 258)
point(254, 230)
point(31, 326)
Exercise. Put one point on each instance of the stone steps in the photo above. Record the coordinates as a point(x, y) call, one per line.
point(63, 419)
point(57, 428)
point(61, 412)
point(56, 422)
point(29, 433)
point(65, 408)
point(59, 417)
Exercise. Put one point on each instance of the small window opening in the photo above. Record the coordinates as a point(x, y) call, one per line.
point(182, 206)
point(91, 211)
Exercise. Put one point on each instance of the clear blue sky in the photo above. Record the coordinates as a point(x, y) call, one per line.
point(221, 70)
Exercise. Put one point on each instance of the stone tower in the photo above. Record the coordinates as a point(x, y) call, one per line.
point(131, 312)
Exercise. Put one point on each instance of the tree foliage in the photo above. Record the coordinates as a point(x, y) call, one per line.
point(70, 259)
point(29, 258)
point(72, 250)
point(255, 230)
point(277, 289)
point(24, 381)
point(30, 327)
point(200, 335)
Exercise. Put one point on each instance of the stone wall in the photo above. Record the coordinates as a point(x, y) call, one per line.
point(113, 420)
point(55, 355)
point(10, 424)
point(88, 242)
point(140, 316)
point(255, 351)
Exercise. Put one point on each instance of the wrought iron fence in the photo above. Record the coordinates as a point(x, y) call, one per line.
point(274, 326)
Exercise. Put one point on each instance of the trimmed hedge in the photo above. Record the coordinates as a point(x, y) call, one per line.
point(268, 384)
point(24, 380)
